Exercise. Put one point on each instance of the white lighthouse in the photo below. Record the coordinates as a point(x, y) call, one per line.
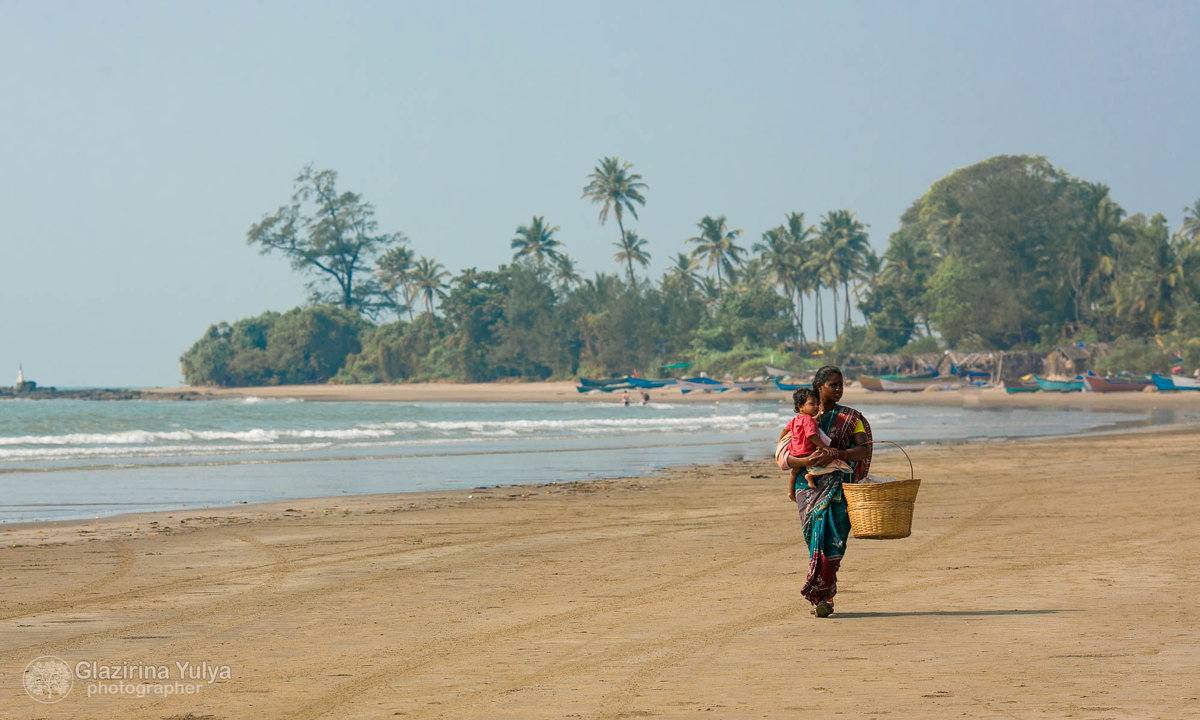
point(20, 379)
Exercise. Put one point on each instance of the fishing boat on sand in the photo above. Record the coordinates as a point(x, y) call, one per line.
point(918, 384)
point(870, 383)
point(586, 385)
point(902, 383)
point(649, 383)
point(703, 384)
point(1025, 384)
point(1095, 383)
point(1045, 385)
point(1175, 382)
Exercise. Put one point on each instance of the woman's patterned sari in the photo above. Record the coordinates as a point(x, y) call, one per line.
point(826, 522)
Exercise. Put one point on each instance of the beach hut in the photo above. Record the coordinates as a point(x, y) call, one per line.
point(1075, 359)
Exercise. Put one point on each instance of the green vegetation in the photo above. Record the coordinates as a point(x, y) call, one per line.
point(1009, 253)
point(1013, 252)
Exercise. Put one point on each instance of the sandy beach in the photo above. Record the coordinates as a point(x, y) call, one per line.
point(855, 395)
point(1043, 578)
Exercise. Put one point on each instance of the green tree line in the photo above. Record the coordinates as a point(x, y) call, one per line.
point(1013, 252)
point(1008, 253)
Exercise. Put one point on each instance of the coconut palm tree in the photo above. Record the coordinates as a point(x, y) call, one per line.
point(852, 250)
point(615, 189)
point(393, 269)
point(709, 290)
point(631, 249)
point(779, 258)
point(800, 237)
point(1190, 229)
point(536, 240)
point(715, 243)
point(842, 246)
point(819, 267)
point(428, 280)
point(565, 273)
point(683, 273)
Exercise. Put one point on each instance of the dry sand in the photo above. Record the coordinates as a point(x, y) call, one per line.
point(1050, 578)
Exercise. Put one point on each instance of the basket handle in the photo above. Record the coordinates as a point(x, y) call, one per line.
point(911, 473)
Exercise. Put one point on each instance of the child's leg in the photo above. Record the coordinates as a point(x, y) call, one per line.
point(812, 481)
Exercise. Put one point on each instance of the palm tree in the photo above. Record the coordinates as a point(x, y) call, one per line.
point(716, 244)
point(615, 189)
point(818, 266)
point(800, 237)
point(752, 274)
point(602, 290)
point(631, 249)
point(852, 250)
point(868, 274)
point(710, 290)
point(842, 247)
point(778, 255)
point(564, 272)
point(394, 271)
point(1190, 229)
point(683, 273)
point(537, 241)
point(428, 280)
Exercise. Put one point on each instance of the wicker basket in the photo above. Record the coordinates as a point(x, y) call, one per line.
point(882, 511)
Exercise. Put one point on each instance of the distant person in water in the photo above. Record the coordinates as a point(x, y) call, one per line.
point(645, 397)
point(625, 398)
point(807, 437)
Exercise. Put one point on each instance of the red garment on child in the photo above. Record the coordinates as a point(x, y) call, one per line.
point(802, 427)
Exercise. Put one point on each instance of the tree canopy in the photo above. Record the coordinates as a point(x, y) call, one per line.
point(1008, 253)
point(1014, 252)
point(329, 234)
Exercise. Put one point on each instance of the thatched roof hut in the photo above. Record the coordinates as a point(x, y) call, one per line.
point(1075, 359)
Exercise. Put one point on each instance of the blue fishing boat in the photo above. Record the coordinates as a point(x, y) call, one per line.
point(648, 383)
point(1175, 382)
point(1059, 385)
point(600, 383)
point(709, 385)
point(1020, 385)
point(604, 388)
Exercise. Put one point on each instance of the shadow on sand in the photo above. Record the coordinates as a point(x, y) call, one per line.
point(946, 613)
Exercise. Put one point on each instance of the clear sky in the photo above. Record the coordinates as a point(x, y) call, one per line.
point(140, 140)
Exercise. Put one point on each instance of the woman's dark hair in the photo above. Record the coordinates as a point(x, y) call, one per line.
point(823, 376)
point(802, 395)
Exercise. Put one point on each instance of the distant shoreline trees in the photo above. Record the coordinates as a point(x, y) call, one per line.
point(1009, 253)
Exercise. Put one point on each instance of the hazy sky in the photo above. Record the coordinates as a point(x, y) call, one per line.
point(141, 140)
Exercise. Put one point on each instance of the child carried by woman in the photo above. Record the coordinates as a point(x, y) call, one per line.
point(807, 437)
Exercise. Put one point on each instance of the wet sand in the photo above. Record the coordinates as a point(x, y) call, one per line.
point(566, 392)
point(1043, 578)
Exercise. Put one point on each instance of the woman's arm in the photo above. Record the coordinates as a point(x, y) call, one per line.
point(807, 461)
point(860, 451)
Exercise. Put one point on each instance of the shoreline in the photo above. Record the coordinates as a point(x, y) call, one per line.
point(1163, 420)
point(245, 511)
point(674, 596)
point(566, 392)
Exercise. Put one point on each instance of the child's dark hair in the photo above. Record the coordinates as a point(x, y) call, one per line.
point(823, 376)
point(802, 395)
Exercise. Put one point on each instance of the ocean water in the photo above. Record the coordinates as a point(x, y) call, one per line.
point(64, 459)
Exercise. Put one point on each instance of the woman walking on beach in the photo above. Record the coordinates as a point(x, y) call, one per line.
point(823, 508)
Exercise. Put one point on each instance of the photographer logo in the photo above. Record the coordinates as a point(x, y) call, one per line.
point(48, 679)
